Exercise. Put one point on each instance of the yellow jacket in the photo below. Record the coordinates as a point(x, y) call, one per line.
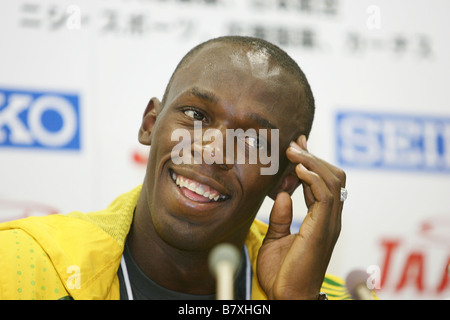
point(77, 255)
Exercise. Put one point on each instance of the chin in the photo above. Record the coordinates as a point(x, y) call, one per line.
point(185, 235)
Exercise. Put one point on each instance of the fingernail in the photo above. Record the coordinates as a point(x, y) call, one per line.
point(303, 141)
point(295, 147)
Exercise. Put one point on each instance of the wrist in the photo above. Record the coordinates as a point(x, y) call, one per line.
point(322, 296)
point(285, 296)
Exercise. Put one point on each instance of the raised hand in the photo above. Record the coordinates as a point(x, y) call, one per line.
point(293, 266)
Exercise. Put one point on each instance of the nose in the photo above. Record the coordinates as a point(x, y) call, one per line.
point(210, 149)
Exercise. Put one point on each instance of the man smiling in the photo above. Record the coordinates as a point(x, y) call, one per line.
point(164, 231)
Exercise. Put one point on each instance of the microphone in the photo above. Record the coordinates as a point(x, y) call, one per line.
point(356, 282)
point(223, 262)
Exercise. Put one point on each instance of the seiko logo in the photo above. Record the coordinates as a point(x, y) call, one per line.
point(399, 142)
point(32, 119)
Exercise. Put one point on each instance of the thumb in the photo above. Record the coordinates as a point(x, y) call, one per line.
point(280, 217)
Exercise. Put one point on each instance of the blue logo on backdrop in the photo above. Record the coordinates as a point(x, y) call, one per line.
point(392, 141)
point(35, 119)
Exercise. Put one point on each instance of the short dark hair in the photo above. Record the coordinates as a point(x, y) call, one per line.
point(278, 54)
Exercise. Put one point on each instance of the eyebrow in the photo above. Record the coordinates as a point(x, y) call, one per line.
point(263, 122)
point(204, 95)
point(212, 98)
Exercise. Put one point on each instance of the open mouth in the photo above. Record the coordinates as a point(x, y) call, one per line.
point(195, 190)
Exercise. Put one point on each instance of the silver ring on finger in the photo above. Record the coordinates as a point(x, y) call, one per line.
point(344, 194)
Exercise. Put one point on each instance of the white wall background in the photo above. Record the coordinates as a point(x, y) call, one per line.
point(380, 58)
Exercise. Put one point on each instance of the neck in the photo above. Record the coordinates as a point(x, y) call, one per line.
point(174, 268)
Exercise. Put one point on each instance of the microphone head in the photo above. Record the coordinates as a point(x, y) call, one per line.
point(355, 279)
point(224, 253)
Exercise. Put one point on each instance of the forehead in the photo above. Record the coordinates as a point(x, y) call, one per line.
point(218, 60)
point(241, 77)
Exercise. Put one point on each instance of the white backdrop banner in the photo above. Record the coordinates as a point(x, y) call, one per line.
point(76, 76)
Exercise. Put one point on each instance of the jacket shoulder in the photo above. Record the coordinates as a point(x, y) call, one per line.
point(116, 219)
point(27, 271)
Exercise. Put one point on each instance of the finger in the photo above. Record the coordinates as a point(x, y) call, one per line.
point(333, 176)
point(308, 195)
point(317, 185)
point(301, 144)
point(280, 217)
point(301, 141)
point(297, 154)
point(313, 164)
point(327, 207)
point(340, 174)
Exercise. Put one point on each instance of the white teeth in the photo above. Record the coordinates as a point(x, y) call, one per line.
point(200, 190)
point(193, 187)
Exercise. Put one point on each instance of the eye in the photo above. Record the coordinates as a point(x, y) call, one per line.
point(252, 142)
point(194, 114)
point(256, 142)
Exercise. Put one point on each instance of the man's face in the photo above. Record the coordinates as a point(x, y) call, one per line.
point(222, 88)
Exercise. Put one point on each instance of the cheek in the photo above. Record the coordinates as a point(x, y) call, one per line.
point(255, 185)
point(161, 143)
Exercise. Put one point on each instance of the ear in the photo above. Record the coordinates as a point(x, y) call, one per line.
point(148, 121)
point(288, 184)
